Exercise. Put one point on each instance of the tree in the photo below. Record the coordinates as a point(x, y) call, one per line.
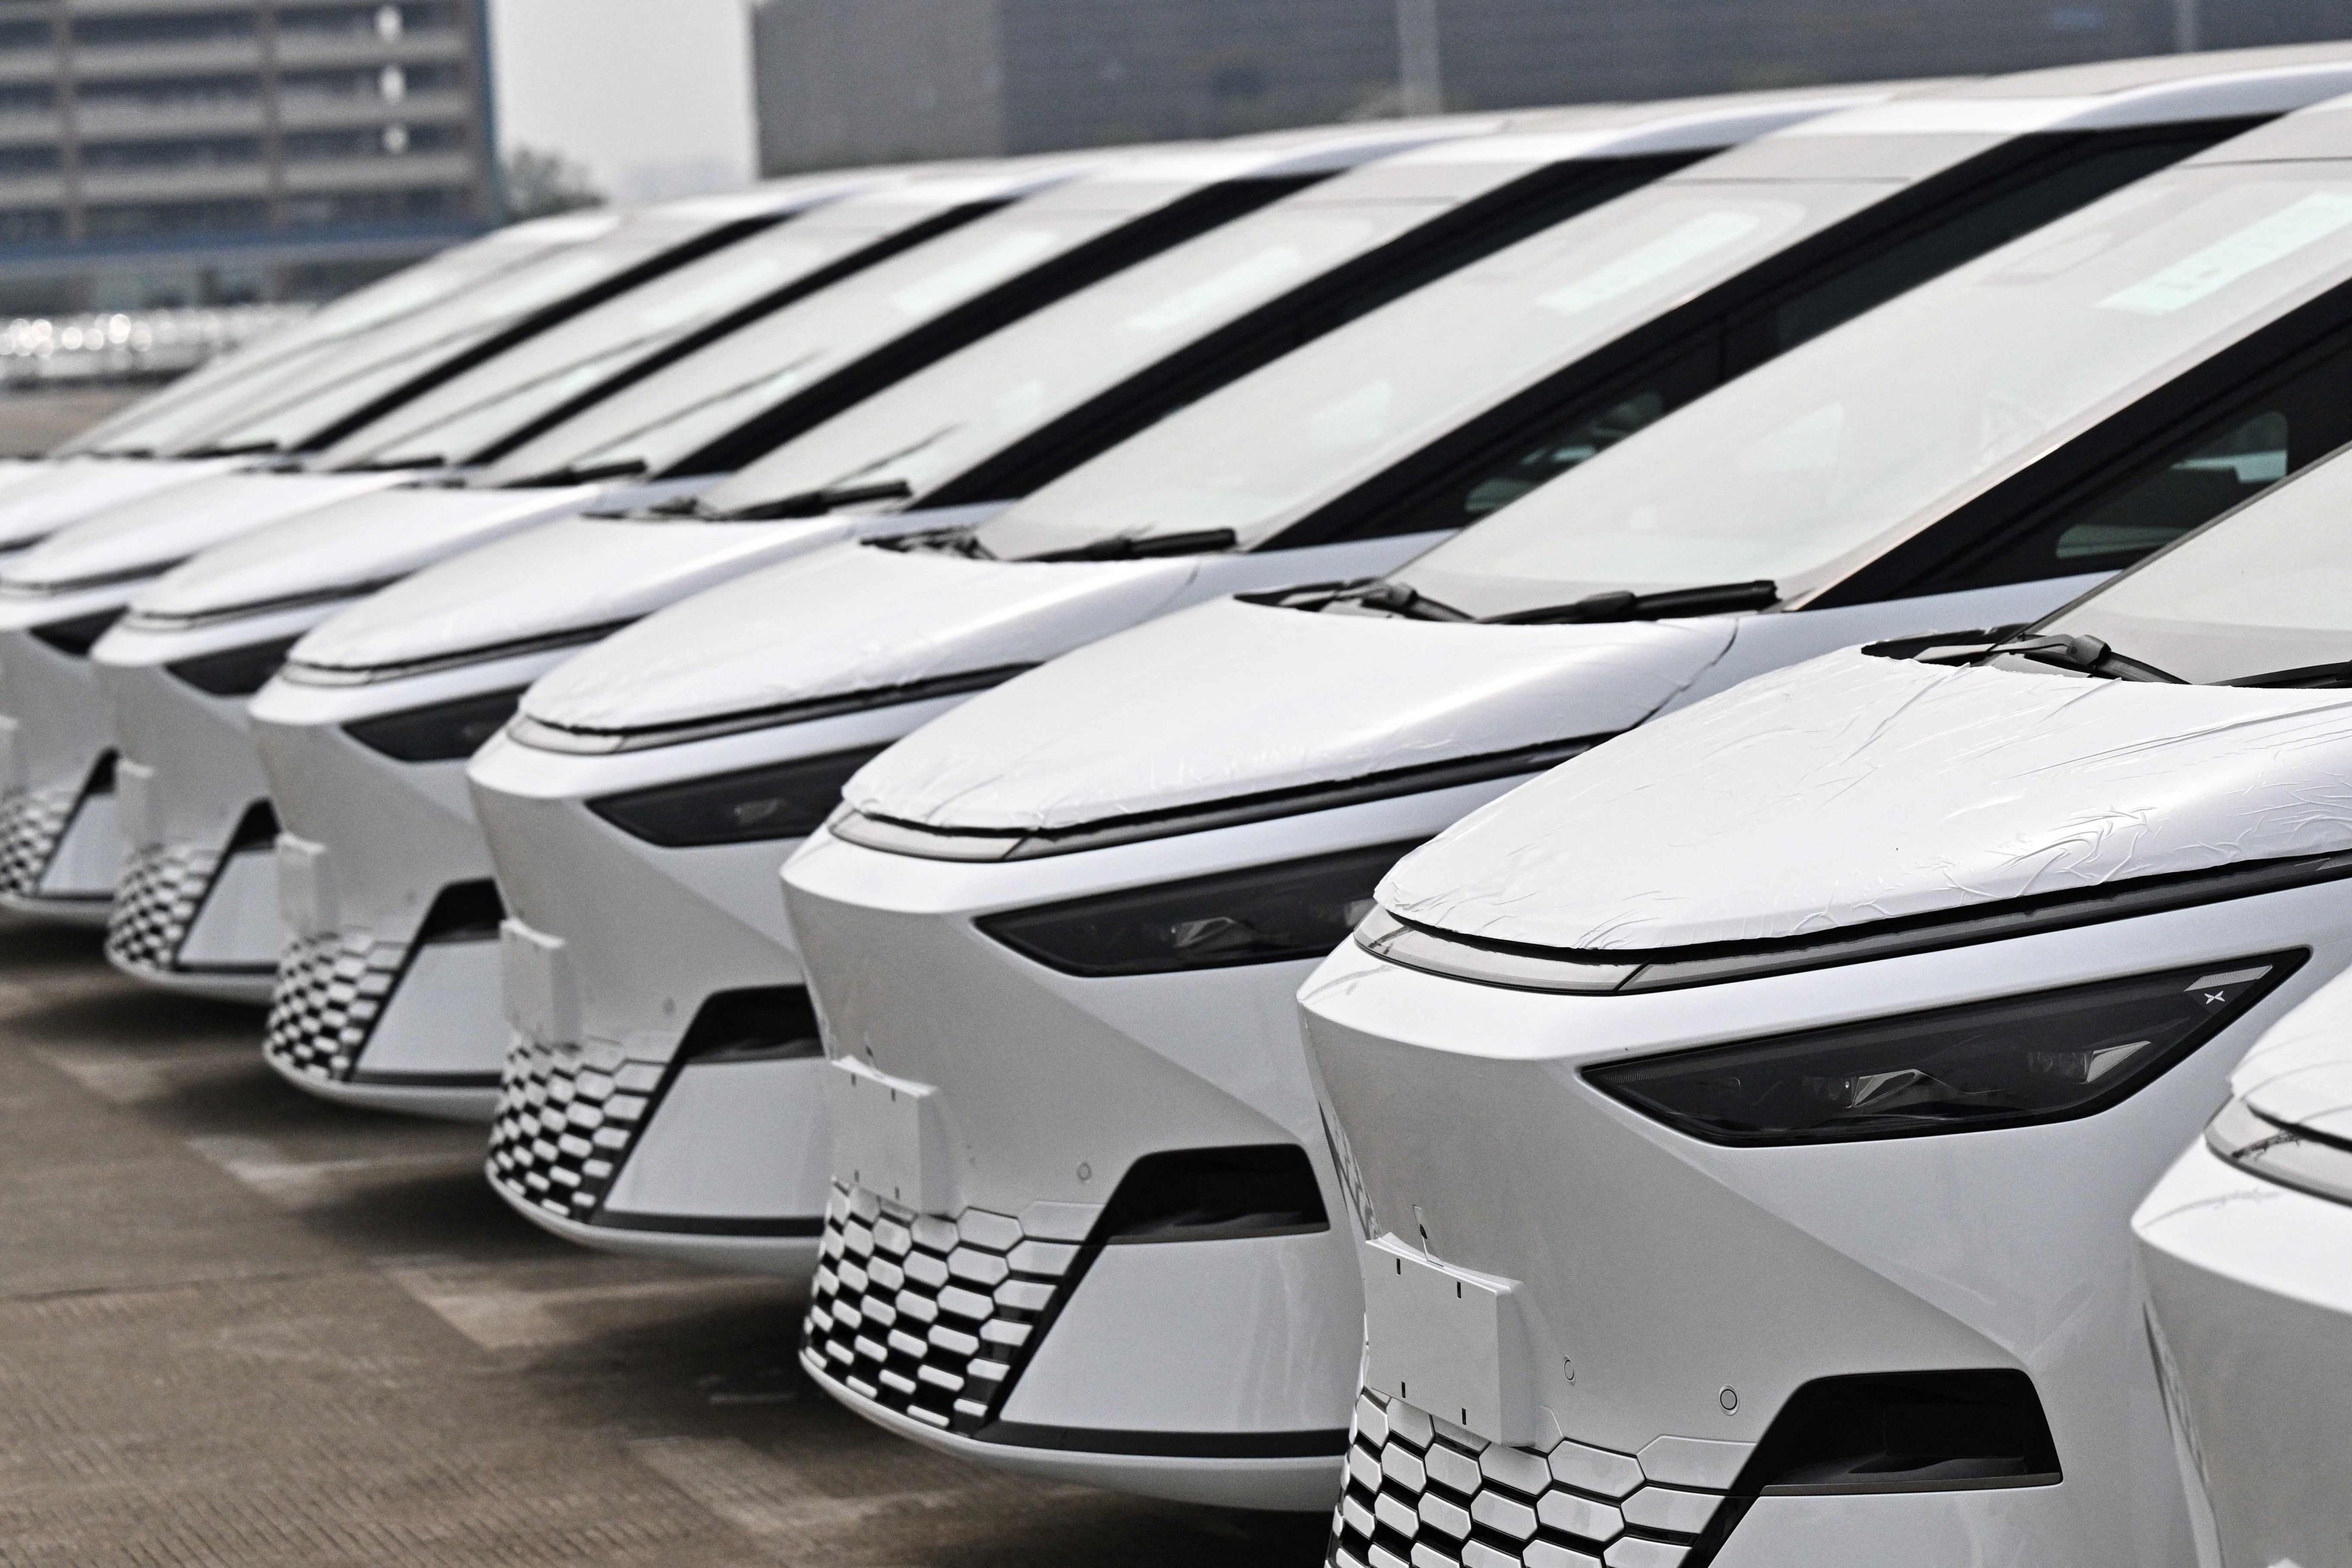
point(541, 182)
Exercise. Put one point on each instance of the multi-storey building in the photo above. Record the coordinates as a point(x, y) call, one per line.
point(860, 80)
point(179, 151)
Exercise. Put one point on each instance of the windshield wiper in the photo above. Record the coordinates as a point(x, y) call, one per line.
point(1143, 547)
point(1715, 598)
point(2307, 676)
point(1396, 599)
point(814, 503)
point(959, 540)
point(586, 474)
point(2086, 655)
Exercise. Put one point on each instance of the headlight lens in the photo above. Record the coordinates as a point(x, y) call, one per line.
point(1300, 909)
point(442, 733)
point(784, 800)
point(2046, 1057)
point(2293, 1131)
point(236, 671)
point(78, 636)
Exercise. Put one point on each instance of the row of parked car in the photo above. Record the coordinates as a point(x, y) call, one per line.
point(1544, 826)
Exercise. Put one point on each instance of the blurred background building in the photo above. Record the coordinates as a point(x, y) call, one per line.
point(859, 80)
point(194, 152)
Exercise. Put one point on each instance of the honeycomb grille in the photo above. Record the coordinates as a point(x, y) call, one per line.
point(329, 993)
point(567, 1115)
point(929, 1317)
point(32, 824)
point(1423, 1492)
point(156, 902)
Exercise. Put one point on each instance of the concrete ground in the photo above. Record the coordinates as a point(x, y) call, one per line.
point(241, 1327)
point(35, 418)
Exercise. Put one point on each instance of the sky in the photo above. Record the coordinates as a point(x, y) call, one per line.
point(653, 96)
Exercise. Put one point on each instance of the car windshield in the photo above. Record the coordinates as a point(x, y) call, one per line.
point(930, 425)
point(454, 422)
point(424, 286)
point(1802, 468)
point(2264, 593)
point(671, 415)
point(1355, 400)
point(350, 374)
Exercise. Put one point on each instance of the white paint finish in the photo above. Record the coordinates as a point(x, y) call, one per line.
point(788, 1258)
point(238, 927)
point(443, 1016)
point(535, 979)
point(1240, 1365)
point(157, 531)
point(134, 805)
point(306, 888)
point(1951, 786)
point(732, 1140)
point(2021, 1527)
point(89, 858)
point(2250, 1288)
point(67, 492)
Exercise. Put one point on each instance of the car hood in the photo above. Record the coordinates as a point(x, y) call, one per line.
point(848, 619)
point(555, 581)
point(1235, 698)
point(67, 491)
point(364, 541)
point(1853, 789)
point(152, 534)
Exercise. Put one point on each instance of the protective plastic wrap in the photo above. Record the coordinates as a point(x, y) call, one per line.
point(65, 492)
point(158, 530)
point(562, 577)
point(846, 619)
point(1234, 699)
point(1853, 789)
point(368, 539)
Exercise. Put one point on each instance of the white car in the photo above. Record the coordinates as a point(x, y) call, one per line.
point(87, 533)
point(1740, 1125)
point(1053, 934)
point(1156, 331)
point(730, 720)
point(2243, 1246)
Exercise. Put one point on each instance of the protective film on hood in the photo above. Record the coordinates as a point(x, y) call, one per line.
point(1233, 699)
point(364, 541)
point(558, 578)
point(158, 530)
point(66, 492)
point(1853, 789)
point(846, 619)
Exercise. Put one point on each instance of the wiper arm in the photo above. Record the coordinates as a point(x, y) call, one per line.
point(1143, 547)
point(2087, 654)
point(1715, 598)
point(1409, 603)
point(814, 503)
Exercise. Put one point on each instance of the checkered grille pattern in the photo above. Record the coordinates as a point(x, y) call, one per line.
point(330, 991)
point(1424, 1493)
point(156, 902)
point(931, 1318)
point(567, 1115)
point(32, 824)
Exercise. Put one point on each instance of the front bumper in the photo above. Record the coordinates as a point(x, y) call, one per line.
point(61, 848)
point(1669, 1290)
point(1221, 1359)
point(2250, 1316)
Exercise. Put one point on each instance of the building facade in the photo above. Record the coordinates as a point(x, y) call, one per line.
point(159, 153)
point(851, 81)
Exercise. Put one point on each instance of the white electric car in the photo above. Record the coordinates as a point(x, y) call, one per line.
point(1053, 934)
point(1103, 359)
point(97, 526)
point(1741, 1124)
point(2245, 1246)
point(732, 718)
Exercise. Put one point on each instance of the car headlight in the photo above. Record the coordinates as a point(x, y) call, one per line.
point(75, 636)
point(783, 800)
point(1299, 909)
point(439, 732)
point(2045, 1057)
point(236, 671)
point(2290, 1131)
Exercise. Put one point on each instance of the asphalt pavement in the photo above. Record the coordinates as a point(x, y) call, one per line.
point(241, 1327)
